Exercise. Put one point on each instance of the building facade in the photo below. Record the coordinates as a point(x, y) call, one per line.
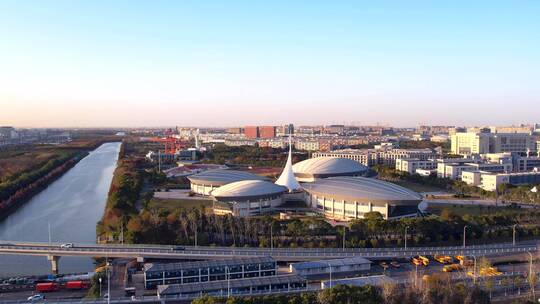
point(156, 274)
point(469, 143)
point(410, 165)
point(251, 132)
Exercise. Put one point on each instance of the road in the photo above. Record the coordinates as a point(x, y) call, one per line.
point(280, 254)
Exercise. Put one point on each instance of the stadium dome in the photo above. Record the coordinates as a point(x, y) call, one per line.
point(204, 182)
point(352, 197)
point(323, 167)
point(248, 197)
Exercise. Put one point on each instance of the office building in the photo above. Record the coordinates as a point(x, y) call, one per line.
point(382, 156)
point(267, 132)
point(251, 132)
point(491, 181)
point(470, 143)
point(410, 165)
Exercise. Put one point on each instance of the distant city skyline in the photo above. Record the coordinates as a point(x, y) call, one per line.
point(236, 63)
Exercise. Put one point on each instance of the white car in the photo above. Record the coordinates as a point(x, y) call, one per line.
point(67, 245)
point(36, 297)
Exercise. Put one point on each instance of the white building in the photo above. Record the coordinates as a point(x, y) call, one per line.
point(490, 181)
point(410, 165)
point(382, 156)
point(347, 198)
point(316, 269)
point(247, 197)
point(468, 143)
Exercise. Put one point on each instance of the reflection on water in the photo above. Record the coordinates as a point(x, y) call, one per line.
point(72, 205)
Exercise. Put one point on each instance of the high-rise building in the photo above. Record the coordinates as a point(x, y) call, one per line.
point(251, 131)
point(468, 143)
point(267, 132)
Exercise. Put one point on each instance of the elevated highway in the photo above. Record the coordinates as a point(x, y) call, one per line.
point(141, 252)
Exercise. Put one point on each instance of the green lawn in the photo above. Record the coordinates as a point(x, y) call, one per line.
point(418, 187)
point(464, 209)
point(172, 204)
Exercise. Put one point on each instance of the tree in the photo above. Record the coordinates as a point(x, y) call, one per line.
point(345, 294)
point(206, 299)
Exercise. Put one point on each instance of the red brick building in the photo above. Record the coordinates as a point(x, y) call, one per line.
point(267, 132)
point(251, 131)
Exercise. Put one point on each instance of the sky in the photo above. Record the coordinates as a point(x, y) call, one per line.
point(231, 63)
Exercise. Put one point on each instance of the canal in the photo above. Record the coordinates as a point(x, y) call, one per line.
point(72, 205)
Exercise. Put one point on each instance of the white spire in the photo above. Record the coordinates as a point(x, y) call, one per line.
point(287, 178)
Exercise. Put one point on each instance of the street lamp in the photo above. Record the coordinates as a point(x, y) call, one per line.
point(531, 278)
point(464, 234)
point(406, 228)
point(108, 281)
point(272, 236)
point(227, 275)
point(344, 231)
point(514, 235)
point(99, 287)
point(474, 269)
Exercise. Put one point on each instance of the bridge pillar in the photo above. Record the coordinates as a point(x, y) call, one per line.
point(54, 262)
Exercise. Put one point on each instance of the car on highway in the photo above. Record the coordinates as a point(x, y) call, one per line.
point(67, 245)
point(395, 264)
point(36, 297)
point(178, 248)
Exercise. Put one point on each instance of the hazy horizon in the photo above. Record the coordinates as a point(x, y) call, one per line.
point(235, 63)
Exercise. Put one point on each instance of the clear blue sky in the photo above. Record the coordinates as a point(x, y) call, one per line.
point(211, 63)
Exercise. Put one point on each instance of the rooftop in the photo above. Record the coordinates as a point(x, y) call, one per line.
point(333, 263)
point(230, 284)
point(160, 267)
point(361, 189)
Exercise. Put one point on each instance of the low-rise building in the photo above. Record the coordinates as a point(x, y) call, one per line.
point(307, 145)
point(491, 181)
point(240, 287)
point(426, 172)
point(156, 274)
point(410, 165)
point(471, 177)
point(318, 269)
point(377, 280)
point(383, 156)
point(240, 142)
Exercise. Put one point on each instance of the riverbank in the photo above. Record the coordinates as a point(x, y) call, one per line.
point(66, 211)
point(28, 170)
point(24, 194)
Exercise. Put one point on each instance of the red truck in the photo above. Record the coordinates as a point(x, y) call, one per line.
point(47, 287)
point(77, 285)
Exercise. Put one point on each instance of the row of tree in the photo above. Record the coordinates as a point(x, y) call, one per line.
point(187, 226)
point(17, 189)
point(434, 291)
point(252, 156)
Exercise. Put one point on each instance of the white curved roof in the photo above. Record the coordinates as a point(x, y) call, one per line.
point(222, 177)
point(361, 189)
point(248, 188)
point(328, 166)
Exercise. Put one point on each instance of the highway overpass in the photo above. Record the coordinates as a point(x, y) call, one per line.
point(54, 251)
